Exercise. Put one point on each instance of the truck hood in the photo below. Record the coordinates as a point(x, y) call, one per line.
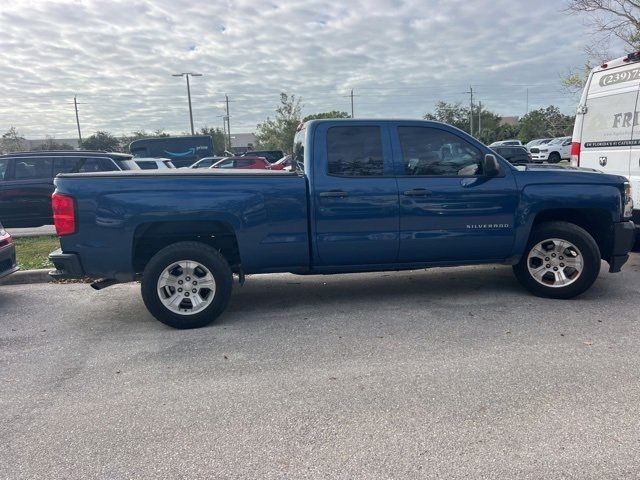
point(536, 173)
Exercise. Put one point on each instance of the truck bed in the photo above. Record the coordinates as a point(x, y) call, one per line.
point(267, 210)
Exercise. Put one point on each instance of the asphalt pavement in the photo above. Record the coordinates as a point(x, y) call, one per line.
point(444, 373)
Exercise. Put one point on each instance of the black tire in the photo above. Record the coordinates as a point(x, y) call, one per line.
point(636, 244)
point(554, 157)
point(582, 240)
point(193, 251)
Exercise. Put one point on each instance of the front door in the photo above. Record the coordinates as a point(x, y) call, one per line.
point(449, 211)
point(355, 195)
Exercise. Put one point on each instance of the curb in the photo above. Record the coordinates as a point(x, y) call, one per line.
point(27, 276)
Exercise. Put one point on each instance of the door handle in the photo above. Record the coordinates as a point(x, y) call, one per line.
point(418, 192)
point(334, 194)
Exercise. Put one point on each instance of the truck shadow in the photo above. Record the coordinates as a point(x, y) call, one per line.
point(447, 286)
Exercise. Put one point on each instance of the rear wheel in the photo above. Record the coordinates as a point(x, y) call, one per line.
point(561, 261)
point(554, 157)
point(187, 285)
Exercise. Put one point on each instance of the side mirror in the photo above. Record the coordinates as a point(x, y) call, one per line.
point(490, 166)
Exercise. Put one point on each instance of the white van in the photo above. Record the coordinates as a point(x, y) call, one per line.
point(606, 135)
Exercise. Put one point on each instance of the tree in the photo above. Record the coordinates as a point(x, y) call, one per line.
point(451, 113)
point(609, 19)
point(545, 122)
point(279, 132)
point(458, 116)
point(218, 137)
point(11, 141)
point(101, 140)
point(612, 19)
point(331, 114)
point(51, 144)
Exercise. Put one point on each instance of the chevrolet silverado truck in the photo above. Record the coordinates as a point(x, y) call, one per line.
point(363, 195)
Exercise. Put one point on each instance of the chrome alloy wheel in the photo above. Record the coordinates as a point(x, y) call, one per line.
point(186, 287)
point(555, 263)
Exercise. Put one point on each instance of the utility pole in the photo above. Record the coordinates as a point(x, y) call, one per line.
point(351, 95)
point(352, 103)
point(527, 100)
point(75, 104)
point(226, 98)
point(479, 118)
point(470, 92)
point(187, 75)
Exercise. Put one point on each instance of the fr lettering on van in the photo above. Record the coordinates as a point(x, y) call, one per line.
point(624, 119)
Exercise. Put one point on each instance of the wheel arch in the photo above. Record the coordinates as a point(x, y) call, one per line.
point(596, 221)
point(151, 237)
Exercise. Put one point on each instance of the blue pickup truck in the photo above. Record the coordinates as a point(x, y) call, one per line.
point(367, 195)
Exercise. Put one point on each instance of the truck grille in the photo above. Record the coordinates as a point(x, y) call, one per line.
point(534, 150)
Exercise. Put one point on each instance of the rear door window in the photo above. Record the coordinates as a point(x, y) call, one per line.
point(33, 168)
point(147, 165)
point(64, 165)
point(354, 151)
point(97, 165)
point(244, 163)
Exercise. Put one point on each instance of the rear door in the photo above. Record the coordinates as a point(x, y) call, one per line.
point(355, 195)
point(610, 124)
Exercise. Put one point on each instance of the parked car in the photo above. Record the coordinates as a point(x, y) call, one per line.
point(7, 254)
point(272, 156)
point(605, 134)
point(26, 181)
point(505, 142)
point(552, 152)
point(249, 163)
point(515, 154)
point(206, 162)
point(153, 163)
point(373, 195)
point(537, 142)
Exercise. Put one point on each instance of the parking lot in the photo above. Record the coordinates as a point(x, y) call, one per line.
point(388, 375)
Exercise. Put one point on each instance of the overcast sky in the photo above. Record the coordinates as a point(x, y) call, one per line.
point(399, 56)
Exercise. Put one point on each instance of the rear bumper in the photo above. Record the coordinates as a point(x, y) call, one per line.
point(624, 236)
point(67, 265)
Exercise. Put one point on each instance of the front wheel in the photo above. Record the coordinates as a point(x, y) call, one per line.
point(561, 261)
point(554, 157)
point(187, 285)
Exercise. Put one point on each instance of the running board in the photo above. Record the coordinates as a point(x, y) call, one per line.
point(103, 283)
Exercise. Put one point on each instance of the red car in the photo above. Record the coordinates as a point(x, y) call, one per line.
point(253, 163)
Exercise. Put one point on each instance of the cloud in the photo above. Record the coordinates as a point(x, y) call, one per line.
point(399, 57)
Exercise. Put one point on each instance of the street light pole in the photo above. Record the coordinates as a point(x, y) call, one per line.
point(187, 75)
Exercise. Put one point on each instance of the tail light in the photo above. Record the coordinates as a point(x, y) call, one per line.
point(575, 154)
point(64, 214)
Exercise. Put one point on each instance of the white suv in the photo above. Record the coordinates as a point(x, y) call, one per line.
point(552, 152)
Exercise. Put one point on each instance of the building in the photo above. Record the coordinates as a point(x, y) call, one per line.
point(38, 144)
point(241, 142)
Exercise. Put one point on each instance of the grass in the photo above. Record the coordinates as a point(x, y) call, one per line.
point(32, 252)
